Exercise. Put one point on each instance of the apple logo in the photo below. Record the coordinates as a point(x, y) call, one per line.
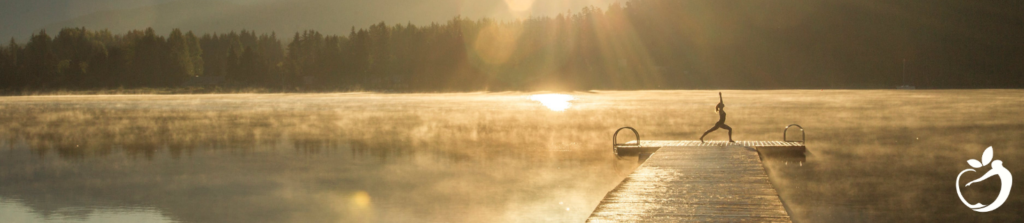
point(997, 170)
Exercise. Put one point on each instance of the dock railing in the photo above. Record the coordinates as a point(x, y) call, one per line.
point(616, 144)
point(803, 136)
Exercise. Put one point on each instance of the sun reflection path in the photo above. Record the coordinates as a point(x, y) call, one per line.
point(555, 102)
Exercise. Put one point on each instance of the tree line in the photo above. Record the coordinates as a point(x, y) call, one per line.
point(642, 44)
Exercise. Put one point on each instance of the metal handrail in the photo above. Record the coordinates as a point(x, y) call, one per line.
point(803, 136)
point(615, 140)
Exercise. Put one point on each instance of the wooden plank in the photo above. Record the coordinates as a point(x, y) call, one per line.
point(664, 143)
point(650, 146)
point(634, 150)
point(696, 184)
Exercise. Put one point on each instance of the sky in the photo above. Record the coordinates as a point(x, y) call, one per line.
point(20, 18)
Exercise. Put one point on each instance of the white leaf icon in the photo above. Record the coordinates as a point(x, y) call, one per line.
point(986, 157)
point(974, 163)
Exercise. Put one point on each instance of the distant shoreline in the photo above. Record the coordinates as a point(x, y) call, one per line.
point(258, 90)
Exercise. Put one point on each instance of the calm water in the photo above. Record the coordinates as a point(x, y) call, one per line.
point(481, 157)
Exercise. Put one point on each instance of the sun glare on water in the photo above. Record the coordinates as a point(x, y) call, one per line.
point(555, 102)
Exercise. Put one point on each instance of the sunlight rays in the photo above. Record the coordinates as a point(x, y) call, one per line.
point(519, 5)
point(618, 43)
point(495, 44)
point(592, 48)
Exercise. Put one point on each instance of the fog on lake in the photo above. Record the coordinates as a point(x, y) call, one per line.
point(873, 155)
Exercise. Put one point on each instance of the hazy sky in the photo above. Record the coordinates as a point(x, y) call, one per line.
point(20, 18)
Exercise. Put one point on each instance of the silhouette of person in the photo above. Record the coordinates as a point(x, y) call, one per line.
point(720, 108)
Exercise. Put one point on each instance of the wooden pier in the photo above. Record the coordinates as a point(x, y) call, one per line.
point(691, 181)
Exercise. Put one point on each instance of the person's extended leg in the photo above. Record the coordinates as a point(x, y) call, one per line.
point(724, 126)
point(709, 131)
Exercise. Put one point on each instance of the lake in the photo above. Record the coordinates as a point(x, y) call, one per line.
point(873, 155)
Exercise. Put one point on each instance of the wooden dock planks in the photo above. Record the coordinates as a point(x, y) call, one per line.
point(664, 143)
point(709, 182)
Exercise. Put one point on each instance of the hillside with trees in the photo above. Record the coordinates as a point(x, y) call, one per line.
point(641, 44)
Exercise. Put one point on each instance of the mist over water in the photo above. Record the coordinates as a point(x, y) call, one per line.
point(481, 157)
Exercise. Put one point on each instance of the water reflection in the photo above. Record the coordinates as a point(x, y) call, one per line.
point(274, 184)
point(310, 158)
point(481, 157)
point(555, 102)
point(14, 211)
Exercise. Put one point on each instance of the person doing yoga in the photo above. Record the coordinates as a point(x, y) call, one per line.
point(721, 119)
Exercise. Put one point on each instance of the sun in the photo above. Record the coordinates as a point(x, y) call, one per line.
point(555, 102)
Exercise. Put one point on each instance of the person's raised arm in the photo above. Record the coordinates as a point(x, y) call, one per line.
point(720, 101)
